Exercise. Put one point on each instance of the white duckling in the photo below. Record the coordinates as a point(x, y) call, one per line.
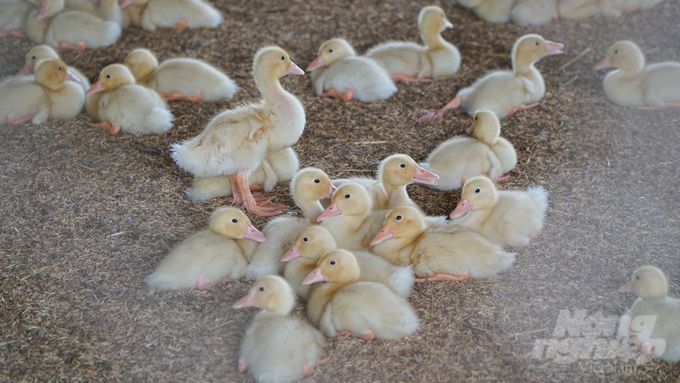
point(315, 241)
point(654, 318)
point(278, 347)
point(209, 257)
point(520, 12)
point(581, 9)
point(307, 188)
point(276, 167)
point(491, 11)
point(448, 253)
point(44, 52)
point(176, 14)
point(236, 141)
point(634, 84)
point(506, 218)
point(125, 106)
point(343, 305)
point(464, 157)
point(76, 30)
point(505, 92)
point(111, 10)
point(410, 62)
point(13, 18)
point(180, 78)
point(66, 96)
point(338, 72)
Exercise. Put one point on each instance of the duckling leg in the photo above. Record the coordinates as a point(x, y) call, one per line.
point(673, 105)
point(307, 369)
point(14, 33)
point(104, 125)
point(242, 366)
point(437, 116)
point(369, 336)
point(498, 179)
point(17, 121)
point(183, 23)
point(632, 8)
point(512, 110)
point(332, 92)
point(556, 15)
point(444, 277)
point(203, 285)
point(647, 349)
point(179, 96)
point(400, 77)
point(242, 190)
point(80, 47)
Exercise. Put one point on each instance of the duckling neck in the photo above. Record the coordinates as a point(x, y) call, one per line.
point(433, 40)
point(477, 217)
point(311, 209)
point(633, 69)
point(271, 89)
point(396, 193)
point(522, 66)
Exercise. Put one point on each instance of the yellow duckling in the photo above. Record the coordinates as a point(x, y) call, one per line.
point(177, 14)
point(13, 18)
point(276, 167)
point(236, 141)
point(410, 62)
point(67, 98)
point(464, 157)
point(44, 52)
point(122, 105)
point(505, 92)
point(180, 78)
point(338, 72)
point(634, 84)
point(654, 318)
point(506, 218)
point(315, 241)
point(209, 257)
point(343, 305)
point(278, 347)
point(449, 253)
point(581, 9)
point(520, 12)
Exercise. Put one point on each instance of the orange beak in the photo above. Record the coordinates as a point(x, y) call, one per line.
point(254, 234)
point(246, 301)
point(425, 177)
point(462, 208)
point(382, 236)
point(95, 88)
point(43, 12)
point(627, 288)
point(72, 77)
point(331, 211)
point(331, 190)
point(316, 64)
point(603, 64)
point(313, 277)
point(291, 254)
point(24, 70)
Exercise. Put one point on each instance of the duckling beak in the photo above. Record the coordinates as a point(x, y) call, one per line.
point(124, 3)
point(603, 64)
point(43, 12)
point(331, 211)
point(291, 254)
point(24, 70)
point(331, 190)
point(316, 64)
point(627, 288)
point(449, 25)
point(313, 277)
point(95, 88)
point(72, 77)
point(552, 48)
point(382, 236)
point(254, 234)
point(425, 177)
point(294, 69)
point(462, 208)
point(246, 301)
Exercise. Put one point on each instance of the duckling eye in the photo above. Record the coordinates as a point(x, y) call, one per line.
point(262, 288)
point(234, 220)
point(332, 262)
point(283, 58)
point(403, 165)
point(398, 218)
point(616, 51)
point(330, 51)
point(536, 43)
point(477, 190)
point(108, 76)
point(59, 68)
point(305, 239)
point(347, 195)
point(637, 277)
point(476, 118)
point(34, 57)
point(317, 181)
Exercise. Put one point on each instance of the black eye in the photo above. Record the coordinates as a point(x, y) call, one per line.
point(347, 195)
point(477, 190)
point(234, 220)
point(476, 118)
point(637, 277)
point(330, 51)
point(398, 218)
point(261, 288)
point(403, 165)
point(59, 68)
point(317, 181)
point(332, 262)
point(283, 58)
point(536, 43)
point(34, 57)
point(108, 76)
point(305, 239)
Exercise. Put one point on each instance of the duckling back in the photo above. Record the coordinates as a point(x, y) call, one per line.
point(13, 15)
point(190, 77)
point(491, 11)
point(167, 13)
point(498, 90)
point(75, 27)
point(281, 233)
point(532, 12)
point(458, 158)
point(136, 109)
point(22, 97)
point(662, 84)
point(517, 217)
point(402, 57)
point(365, 77)
point(666, 312)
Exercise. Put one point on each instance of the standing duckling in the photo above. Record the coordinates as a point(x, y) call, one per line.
point(236, 141)
point(634, 84)
point(44, 52)
point(66, 96)
point(181, 78)
point(654, 318)
point(176, 14)
point(505, 92)
point(506, 218)
point(343, 305)
point(464, 157)
point(338, 72)
point(116, 104)
point(209, 257)
point(410, 62)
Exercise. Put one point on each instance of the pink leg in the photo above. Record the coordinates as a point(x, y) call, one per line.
point(104, 125)
point(242, 366)
point(80, 47)
point(671, 105)
point(437, 116)
point(512, 110)
point(17, 121)
point(444, 277)
point(13, 33)
point(266, 209)
point(647, 349)
point(399, 77)
point(179, 96)
point(632, 9)
point(183, 24)
point(332, 92)
point(369, 336)
point(203, 285)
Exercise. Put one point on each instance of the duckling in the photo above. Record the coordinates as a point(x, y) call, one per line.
point(67, 98)
point(176, 14)
point(22, 100)
point(506, 218)
point(13, 18)
point(520, 12)
point(278, 347)
point(581, 9)
point(276, 167)
point(236, 141)
point(315, 241)
point(43, 52)
point(661, 337)
point(112, 10)
point(491, 11)
point(465, 157)
point(410, 62)
point(71, 29)
point(654, 86)
point(125, 106)
point(448, 253)
point(505, 92)
point(307, 188)
point(338, 72)
point(180, 78)
point(343, 305)
point(209, 257)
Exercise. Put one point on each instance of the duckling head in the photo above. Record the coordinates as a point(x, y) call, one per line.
point(271, 293)
point(486, 127)
point(312, 243)
point(36, 54)
point(349, 199)
point(330, 52)
point(141, 62)
point(51, 73)
point(112, 77)
point(625, 55)
point(233, 223)
point(339, 266)
point(402, 170)
point(311, 184)
point(403, 222)
point(49, 8)
point(478, 193)
point(271, 63)
point(647, 282)
point(530, 48)
point(432, 19)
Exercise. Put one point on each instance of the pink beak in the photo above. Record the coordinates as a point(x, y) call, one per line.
point(331, 190)
point(382, 236)
point(291, 254)
point(124, 3)
point(43, 12)
point(313, 277)
point(425, 177)
point(603, 64)
point(95, 88)
point(294, 69)
point(449, 25)
point(246, 301)
point(627, 288)
point(24, 70)
point(72, 77)
point(462, 208)
point(331, 211)
point(254, 234)
point(316, 64)
point(552, 48)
